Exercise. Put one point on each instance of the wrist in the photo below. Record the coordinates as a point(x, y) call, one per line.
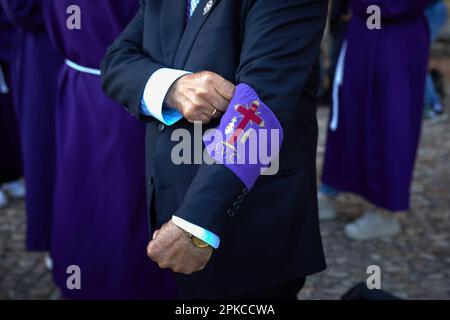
point(198, 236)
point(171, 100)
point(196, 241)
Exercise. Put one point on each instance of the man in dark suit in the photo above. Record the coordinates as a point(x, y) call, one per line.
point(225, 231)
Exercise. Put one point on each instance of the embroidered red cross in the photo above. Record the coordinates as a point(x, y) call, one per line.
point(249, 116)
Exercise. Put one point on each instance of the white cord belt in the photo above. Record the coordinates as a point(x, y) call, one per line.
point(83, 69)
point(3, 85)
point(338, 80)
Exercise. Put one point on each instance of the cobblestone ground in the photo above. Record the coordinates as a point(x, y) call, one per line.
point(22, 274)
point(414, 265)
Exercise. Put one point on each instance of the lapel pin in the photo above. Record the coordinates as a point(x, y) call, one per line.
point(208, 7)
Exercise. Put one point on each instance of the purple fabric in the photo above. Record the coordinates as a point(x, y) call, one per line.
point(34, 65)
point(398, 10)
point(7, 36)
point(243, 141)
point(373, 151)
point(100, 221)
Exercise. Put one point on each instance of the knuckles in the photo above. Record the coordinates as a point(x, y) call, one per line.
point(207, 77)
point(182, 268)
point(201, 92)
point(151, 251)
point(151, 254)
point(196, 103)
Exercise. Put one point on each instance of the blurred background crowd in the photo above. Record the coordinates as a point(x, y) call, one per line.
point(383, 156)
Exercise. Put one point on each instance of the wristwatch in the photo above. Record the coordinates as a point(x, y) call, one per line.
point(196, 241)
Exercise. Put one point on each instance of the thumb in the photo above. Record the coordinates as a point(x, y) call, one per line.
point(155, 234)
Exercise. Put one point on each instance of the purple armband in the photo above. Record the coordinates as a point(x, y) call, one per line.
point(248, 139)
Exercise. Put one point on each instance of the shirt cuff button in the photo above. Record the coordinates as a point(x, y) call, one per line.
point(161, 127)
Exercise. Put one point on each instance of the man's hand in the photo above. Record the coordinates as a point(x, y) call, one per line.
point(198, 95)
point(172, 249)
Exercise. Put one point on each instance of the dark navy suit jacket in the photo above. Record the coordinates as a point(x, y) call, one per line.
point(269, 234)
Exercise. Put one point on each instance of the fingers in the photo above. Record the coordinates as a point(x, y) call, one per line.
point(180, 256)
point(203, 103)
point(198, 95)
point(219, 102)
point(151, 251)
point(194, 111)
point(169, 258)
point(159, 253)
point(200, 118)
point(216, 114)
point(208, 101)
point(198, 108)
point(224, 87)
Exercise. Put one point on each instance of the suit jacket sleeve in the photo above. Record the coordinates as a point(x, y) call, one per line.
point(126, 69)
point(280, 46)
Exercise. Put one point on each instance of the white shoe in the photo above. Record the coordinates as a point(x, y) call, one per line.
point(3, 199)
point(373, 224)
point(48, 262)
point(16, 189)
point(327, 207)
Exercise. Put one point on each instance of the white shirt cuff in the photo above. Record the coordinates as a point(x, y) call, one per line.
point(155, 92)
point(207, 236)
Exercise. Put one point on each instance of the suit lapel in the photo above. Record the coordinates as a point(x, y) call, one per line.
point(173, 23)
point(199, 17)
